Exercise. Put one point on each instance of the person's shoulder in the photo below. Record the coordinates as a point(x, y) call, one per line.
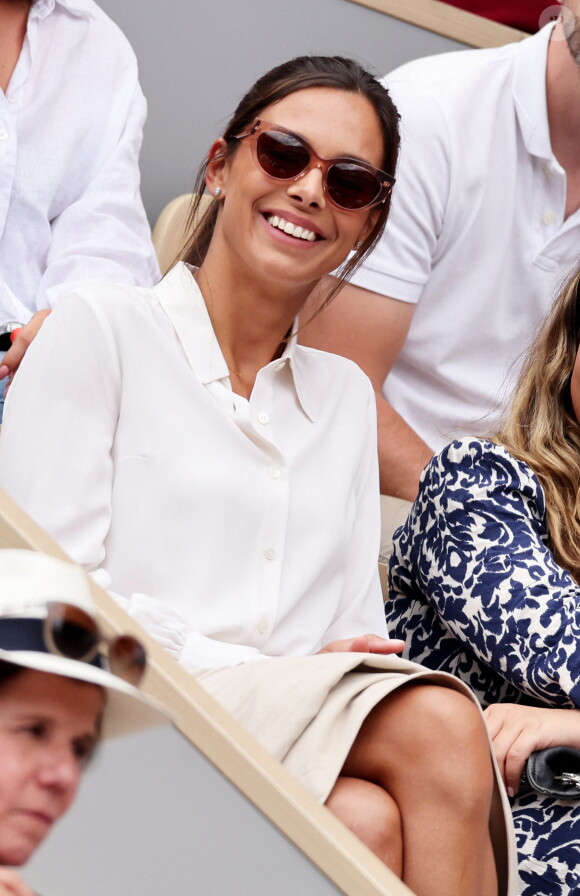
point(103, 28)
point(118, 303)
point(431, 73)
point(341, 371)
point(479, 463)
point(439, 88)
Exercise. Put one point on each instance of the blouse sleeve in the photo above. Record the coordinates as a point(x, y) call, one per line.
point(360, 609)
point(475, 545)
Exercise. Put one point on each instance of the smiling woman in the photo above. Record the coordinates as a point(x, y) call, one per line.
point(229, 480)
point(56, 695)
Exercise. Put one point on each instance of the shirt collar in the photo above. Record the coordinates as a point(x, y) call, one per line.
point(41, 9)
point(182, 301)
point(530, 92)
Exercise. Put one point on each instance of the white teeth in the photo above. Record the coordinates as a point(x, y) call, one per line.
point(291, 229)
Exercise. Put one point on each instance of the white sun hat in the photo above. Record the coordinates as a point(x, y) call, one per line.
point(29, 583)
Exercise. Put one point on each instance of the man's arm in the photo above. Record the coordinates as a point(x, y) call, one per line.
point(370, 329)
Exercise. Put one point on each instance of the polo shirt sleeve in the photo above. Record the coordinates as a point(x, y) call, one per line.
point(400, 265)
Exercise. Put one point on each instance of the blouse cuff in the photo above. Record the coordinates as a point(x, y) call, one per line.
point(200, 652)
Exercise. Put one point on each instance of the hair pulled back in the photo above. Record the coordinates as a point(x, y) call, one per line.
point(300, 73)
point(542, 429)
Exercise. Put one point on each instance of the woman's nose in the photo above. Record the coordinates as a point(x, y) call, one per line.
point(60, 771)
point(309, 188)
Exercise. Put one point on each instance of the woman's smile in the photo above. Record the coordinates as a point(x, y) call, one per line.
point(295, 231)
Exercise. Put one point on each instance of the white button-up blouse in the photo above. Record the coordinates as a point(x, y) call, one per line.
point(232, 529)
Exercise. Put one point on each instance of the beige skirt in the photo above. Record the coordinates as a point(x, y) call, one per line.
point(307, 712)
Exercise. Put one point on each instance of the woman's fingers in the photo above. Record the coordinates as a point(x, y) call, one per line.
point(517, 731)
point(365, 644)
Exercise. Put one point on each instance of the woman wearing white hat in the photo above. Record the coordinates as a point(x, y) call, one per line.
point(59, 693)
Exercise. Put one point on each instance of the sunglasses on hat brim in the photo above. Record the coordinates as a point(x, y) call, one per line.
point(68, 631)
point(350, 184)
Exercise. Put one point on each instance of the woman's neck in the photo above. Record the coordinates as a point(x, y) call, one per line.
point(251, 318)
point(13, 21)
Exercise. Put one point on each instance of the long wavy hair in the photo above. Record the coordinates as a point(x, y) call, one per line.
point(299, 74)
point(542, 429)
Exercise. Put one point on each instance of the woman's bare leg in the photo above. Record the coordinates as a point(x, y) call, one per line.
point(426, 747)
point(371, 814)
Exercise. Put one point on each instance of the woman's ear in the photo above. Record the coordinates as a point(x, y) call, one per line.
point(216, 167)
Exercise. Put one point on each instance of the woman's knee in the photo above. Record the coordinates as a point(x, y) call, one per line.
point(373, 815)
point(431, 736)
point(444, 729)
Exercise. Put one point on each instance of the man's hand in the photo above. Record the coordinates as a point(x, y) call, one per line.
point(516, 731)
point(25, 335)
point(365, 644)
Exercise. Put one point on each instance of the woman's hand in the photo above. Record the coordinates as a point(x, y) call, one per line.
point(517, 731)
point(11, 884)
point(365, 644)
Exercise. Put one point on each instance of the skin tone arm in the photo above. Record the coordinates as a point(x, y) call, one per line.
point(517, 731)
point(370, 329)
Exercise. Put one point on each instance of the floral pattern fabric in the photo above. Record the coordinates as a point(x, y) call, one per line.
point(475, 590)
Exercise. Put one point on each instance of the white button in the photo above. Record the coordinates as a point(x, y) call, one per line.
point(549, 218)
point(269, 553)
point(274, 472)
point(263, 626)
point(11, 99)
point(279, 366)
point(263, 418)
point(547, 169)
point(3, 134)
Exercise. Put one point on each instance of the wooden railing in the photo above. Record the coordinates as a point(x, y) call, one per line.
point(448, 21)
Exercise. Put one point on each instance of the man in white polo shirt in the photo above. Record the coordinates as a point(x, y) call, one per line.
point(485, 222)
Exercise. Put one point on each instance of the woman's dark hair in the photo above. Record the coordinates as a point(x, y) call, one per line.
point(299, 74)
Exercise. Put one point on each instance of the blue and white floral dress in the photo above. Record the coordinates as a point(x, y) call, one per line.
point(476, 591)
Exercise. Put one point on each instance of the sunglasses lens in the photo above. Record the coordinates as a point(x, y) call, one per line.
point(351, 186)
point(71, 632)
point(281, 155)
point(127, 659)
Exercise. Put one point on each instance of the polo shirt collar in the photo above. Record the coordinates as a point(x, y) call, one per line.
point(41, 9)
point(183, 302)
point(529, 92)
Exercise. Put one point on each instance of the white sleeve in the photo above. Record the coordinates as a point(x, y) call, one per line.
point(102, 233)
point(361, 610)
point(56, 461)
point(400, 264)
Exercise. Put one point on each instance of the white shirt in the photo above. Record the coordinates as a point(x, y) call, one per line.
point(71, 125)
point(477, 236)
point(232, 529)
